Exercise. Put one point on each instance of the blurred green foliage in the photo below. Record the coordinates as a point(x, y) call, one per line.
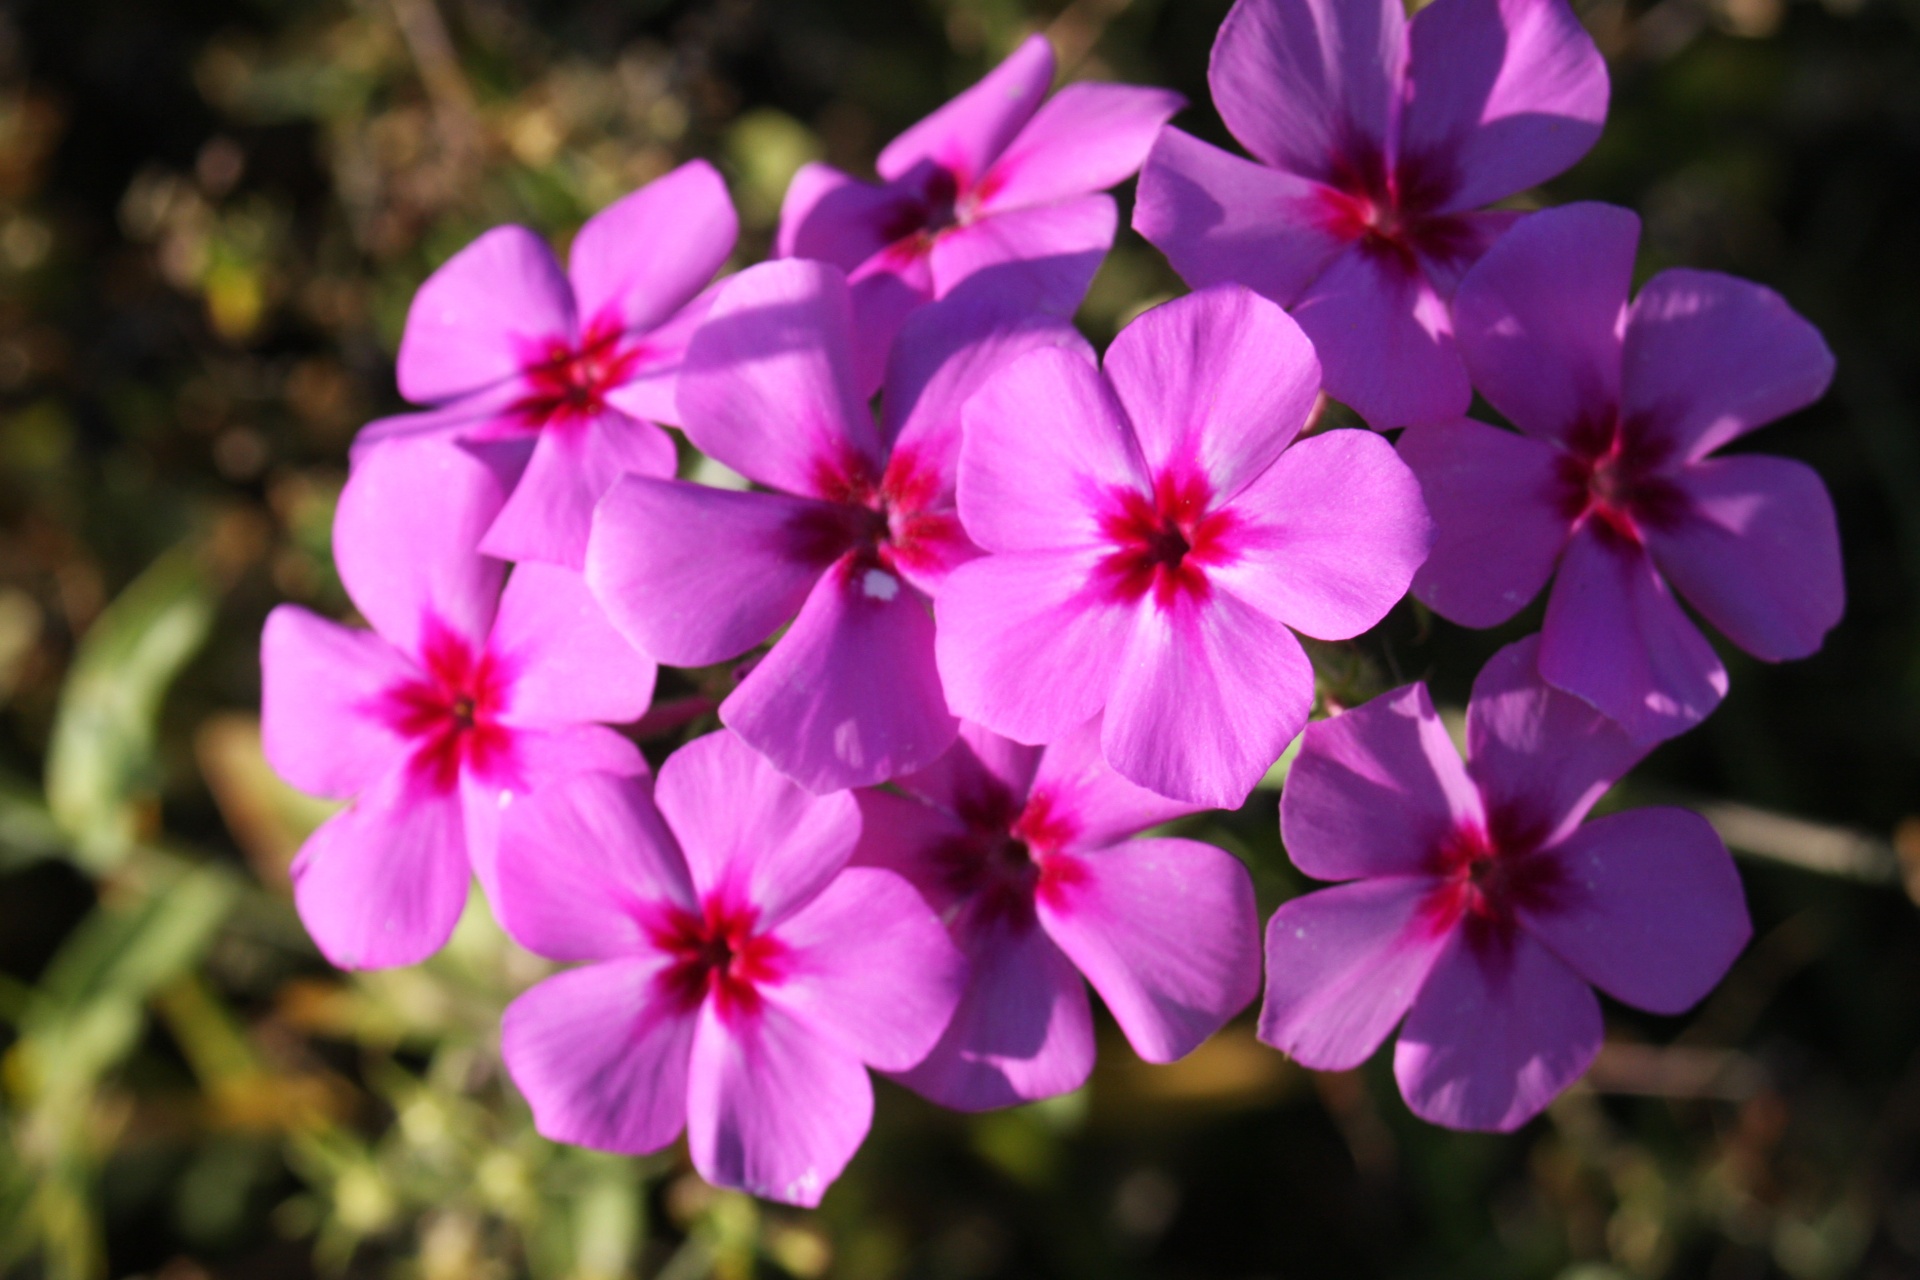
point(212, 216)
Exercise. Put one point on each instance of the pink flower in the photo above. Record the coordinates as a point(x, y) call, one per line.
point(1155, 543)
point(857, 532)
point(1619, 408)
point(739, 973)
point(461, 697)
point(574, 368)
point(1002, 180)
point(1024, 852)
point(1375, 142)
point(1477, 905)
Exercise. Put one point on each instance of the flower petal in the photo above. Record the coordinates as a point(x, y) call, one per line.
point(694, 575)
point(834, 217)
point(1221, 380)
point(319, 686)
point(742, 824)
point(910, 837)
point(648, 254)
point(966, 135)
point(772, 1108)
point(434, 500)
point(1329, 538)
point(1087, 137)
point(1088, 802)
point(601, 1057)
point(1495, 1036)
point(1385, 340)
point(1757, 551)
point(1614, 637)
point(872, 969)
point(1309, 84)
point(652, 389)
point(1167, 932)
point(1504, 94)
point(581, 863)
point(1710, 357)
point(1221, 219)
point(849, 696)
point(479, 317)
point(480, 414)
point(978, 777)
point(569, 665)
point(768, 383)
point(1539, 318)
point(1343, 966)
point(1375, 791)
point(1045, 255)
point(1498, 530)
point(550, 511)
point(537, 760)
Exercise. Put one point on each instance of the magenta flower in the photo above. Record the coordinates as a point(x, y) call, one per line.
point(1003, 180)
point(857, 532)
point(1477, 905)
point(571, 368)
point(1157, 537)
point(462, 697)
point(1619, 408)
point(1024, 851)
point(1376, 142)
point(739, 972)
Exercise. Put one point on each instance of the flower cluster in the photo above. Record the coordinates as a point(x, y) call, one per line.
point(987, 633)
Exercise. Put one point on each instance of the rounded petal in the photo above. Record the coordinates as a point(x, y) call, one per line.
point(583, 864)
point(1220, 381)
point(849, 696)
point(1376, 791)
point(1498, 530)
point(476, 319)
point(1023, 1030)
point(1495, 1035)
point(320, 685)
point(1329, 538)
point(651, 391)
point(1166, 930)
point(1208, 695)
point(887, 289)
point(1043, 256)
point(772, 1108)
point(1023, 647)
point(406, 539)
point(872, 969)
point(694, 575)
point(768, 385)
point(383, 882)
point(1757, 551)
point(1539, 318)
point(648, 254)
point(1090, 804)
point(1222, 219)
point(550, 512)
point(1087, 137)
point(1343, 966)
point(744, 825)
point(1710, 357)
point(1503, 94)
point(1045, 442)
point(1385, 340)
point(834, 217)
point(601, 1057)
point(1614, 637)
point(965, 136)
point(568, 664)
point(978, 778)
point(478, 415)
point(1649, 909)
point(1309, 84)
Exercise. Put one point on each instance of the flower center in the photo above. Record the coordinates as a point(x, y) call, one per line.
point(875, 528)
point(1610, 478)
point(1393, 213)
point(717, 954)
point(1488, 876)
point(1011, 855)
point(568, 384)
point(450, 715)
point(1163, 542)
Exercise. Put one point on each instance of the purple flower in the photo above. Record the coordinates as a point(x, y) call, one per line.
point(1619, 408)
point(1477, 905)
point(857, 532)
point(1003, 180)
point(1155, 543)
point(462, 697)
point(1376, 141)
point(739, 973)
point(1024, 852)
point(574, 368)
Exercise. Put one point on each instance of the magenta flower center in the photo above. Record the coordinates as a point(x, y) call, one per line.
point(880, 528)
point(1611, 478)
point(1488, 876)
point(717, 954)
point(1011, 856)
point(1163, 542)
point(1392, 213)
point(567, 382)
point(450, 715)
